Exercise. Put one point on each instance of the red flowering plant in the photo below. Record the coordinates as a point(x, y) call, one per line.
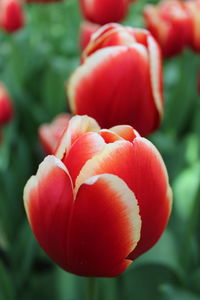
point(101, 201)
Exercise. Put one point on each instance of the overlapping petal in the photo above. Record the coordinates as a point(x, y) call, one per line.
point(76, 127)
point(83, 149)
point(143, 170)
point(48, 199)
point(105, 227)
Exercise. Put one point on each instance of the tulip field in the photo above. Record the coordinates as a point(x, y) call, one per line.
point(99, 150)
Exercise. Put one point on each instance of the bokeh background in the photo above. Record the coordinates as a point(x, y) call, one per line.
point(34, 64)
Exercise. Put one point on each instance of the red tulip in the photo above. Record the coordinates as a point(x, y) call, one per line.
point(170, 24)
point(120, 79)
point(11, 15)
point(104, 11)
point(102, 201)
point(193, 8)
point(6, 107)
point(87, 29)
point(50, 134)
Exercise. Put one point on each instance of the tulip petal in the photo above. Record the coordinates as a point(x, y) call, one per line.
point(117, 93)
point(106, 36)
point(109, 136)
point(83, 149)
point(48, 199)
point(156, 74)
point(50, 134)
point(142, 168)
point(105, 227)
point(77, 126)
point(126, 132)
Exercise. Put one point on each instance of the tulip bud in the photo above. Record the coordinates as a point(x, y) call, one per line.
point(50, 134)
point(193, 8)
point(104, 11)
point(11, 15)
point(101, 201)
point(87, 29)
point(170, 24)
point(120, 79)
point(6, 108)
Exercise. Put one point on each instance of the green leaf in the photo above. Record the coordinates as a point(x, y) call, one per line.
point(174, 293)
point(144, 282)
point(7, 289)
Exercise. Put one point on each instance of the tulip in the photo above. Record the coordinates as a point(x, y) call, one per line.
point(193, 8)
point(104, 11)
point(170, 24)
point(6, 107)
point(11, 15)
point(50, 134)
point(120, 79)
point(101, 201)
point(87, 29)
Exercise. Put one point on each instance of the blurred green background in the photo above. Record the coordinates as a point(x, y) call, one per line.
point(34, 64)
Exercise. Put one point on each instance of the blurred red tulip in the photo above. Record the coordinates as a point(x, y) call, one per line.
point(50, 134)
point(170, 24)
point(120, 79)
point(102, 201)
point(193, 7)
point(104, 11)
point(6, 107)
point(87, 29)
point(11, 15)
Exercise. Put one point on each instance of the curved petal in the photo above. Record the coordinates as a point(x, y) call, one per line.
point(50, 134)
point(111, 34)
point(120, 96)
point(105, 227)
point(48, 199)
point(140, 165)
point(126, 132)
point(109, 136)
point(83, 149)
point(77, 126)
point(156, 73)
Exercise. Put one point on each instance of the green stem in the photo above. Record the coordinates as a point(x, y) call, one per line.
point(191, 228)
point(91, 287)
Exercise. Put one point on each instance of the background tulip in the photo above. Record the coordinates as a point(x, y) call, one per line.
point(102, 201)
point(50, 134)
point(6, 107)
point(193, 8)
point(104, 11)
point(11, 15)
point(86, 31)
point(170, 24)
point(109, 85)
